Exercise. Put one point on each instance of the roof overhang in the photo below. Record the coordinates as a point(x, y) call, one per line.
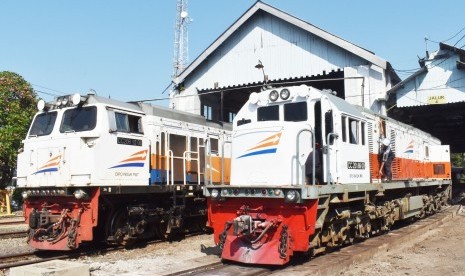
point(401, 84)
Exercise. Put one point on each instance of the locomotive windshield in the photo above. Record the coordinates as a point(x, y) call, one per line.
point(43, 124)
point(79, 119)
point(268, 113)
point(293, 112)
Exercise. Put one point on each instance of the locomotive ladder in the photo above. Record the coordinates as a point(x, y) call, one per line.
point(176, 212)
point(180, 193)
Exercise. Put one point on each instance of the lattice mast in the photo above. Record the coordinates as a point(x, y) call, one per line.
point(181, 56)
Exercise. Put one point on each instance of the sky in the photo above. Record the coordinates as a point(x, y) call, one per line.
point(124, 49)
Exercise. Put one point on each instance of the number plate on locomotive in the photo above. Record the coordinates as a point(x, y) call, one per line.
point(352, 165)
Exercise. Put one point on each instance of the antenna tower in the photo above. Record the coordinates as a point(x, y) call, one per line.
point(181, 56)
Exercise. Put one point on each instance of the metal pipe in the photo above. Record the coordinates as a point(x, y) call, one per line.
point(171, 170)
point(205, 152)
point(184, 162)
point(222, 160)
point(209, 164)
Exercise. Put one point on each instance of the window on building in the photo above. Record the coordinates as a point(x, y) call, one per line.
point(207, 112)
point(231, 116)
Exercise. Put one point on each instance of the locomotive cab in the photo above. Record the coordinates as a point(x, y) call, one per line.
point(80, 133)
point(60, 168)
point(304, 127)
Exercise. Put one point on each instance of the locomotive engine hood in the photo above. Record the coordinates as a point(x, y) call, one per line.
point(273, 146)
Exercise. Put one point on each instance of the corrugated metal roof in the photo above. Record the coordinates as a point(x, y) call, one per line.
point(459, 51)
point(260, 6)
point(292, 80)
point(424, 69)
point(401, 84)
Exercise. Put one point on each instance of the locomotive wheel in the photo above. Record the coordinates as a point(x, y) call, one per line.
point(117, 226)
point(160, 229)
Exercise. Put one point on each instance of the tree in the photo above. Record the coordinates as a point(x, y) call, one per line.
point(17, 107)
point(458, 159)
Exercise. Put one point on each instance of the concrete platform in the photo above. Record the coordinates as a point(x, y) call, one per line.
point(55, 267)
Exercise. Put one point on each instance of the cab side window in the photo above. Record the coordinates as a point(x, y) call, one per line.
point(128, 123)
point(353, 131)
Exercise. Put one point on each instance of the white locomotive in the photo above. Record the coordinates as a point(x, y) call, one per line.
point(305, 176)
point(94, 168)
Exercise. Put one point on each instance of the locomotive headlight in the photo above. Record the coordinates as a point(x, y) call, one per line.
point(215, 193)
point(285, 94)
point(79, 194)
point(292, 196)
point(64, 101)
point(274, 95)
point(58, 102)
point(41, 105)
point(76, 99)
point(25, 194)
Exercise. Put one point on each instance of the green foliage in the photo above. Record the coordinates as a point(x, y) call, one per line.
point(458, 159)
point(17, 107)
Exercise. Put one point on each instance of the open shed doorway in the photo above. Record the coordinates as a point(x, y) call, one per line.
point(221, 104)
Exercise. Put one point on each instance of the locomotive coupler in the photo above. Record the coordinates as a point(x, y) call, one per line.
point(243, 225)
point(255, 230)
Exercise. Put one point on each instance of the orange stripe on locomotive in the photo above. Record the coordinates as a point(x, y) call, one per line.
point(404, 168)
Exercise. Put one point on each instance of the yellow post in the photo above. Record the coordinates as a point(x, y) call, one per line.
point(5, 207)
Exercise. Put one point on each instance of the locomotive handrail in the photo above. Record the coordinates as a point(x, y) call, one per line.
point(222, 160)
point(171, 170)
point(328, 159)
point(209, 164)
point(302, 167)
point(184, 164)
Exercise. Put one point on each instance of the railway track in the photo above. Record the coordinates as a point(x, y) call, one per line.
point(39, 256)
point(13, 222)
point(219, 268)
point(335, 262)
point(13, 234)
point(322, 265)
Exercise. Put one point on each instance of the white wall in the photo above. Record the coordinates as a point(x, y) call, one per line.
point(286, 51)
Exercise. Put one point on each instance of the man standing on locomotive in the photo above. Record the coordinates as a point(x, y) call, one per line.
point(387, 157)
